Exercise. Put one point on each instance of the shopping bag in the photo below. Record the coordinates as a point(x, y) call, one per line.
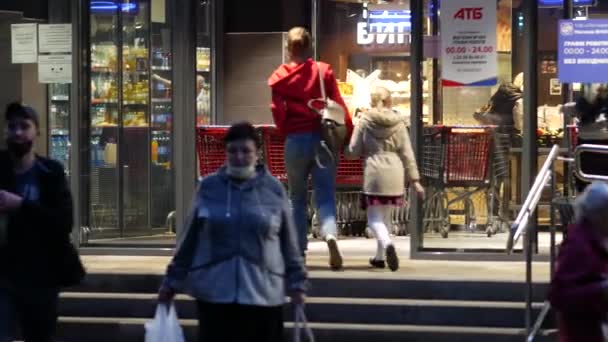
point(300, 323)
point(165, 326)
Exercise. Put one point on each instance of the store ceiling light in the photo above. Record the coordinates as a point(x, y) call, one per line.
point(111, 6)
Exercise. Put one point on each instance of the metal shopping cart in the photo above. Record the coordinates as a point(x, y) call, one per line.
point(210, 148)
point(455, 160)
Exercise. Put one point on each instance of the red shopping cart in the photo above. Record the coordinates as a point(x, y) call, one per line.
point(456, 160)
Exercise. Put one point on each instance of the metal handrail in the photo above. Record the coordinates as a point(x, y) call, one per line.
point(521, 225)
point(586, 148)
point(521, 228)
point(521, 222)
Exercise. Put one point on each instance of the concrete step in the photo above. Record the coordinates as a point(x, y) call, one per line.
point(321, 309)
point(132, 330)
point(344, 285)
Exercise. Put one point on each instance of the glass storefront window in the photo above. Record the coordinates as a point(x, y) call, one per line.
point(131, 188)
point(203, 65)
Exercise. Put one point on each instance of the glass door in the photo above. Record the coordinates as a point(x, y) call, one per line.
point(135, 129)
point(131, 192)
point(104, 116)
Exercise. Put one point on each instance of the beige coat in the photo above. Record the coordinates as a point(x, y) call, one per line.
point(382, 138)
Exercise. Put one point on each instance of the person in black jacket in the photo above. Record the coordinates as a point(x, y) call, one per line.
point(35, 226)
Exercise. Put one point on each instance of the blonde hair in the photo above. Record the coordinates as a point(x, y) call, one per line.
point(380, 98)
point(299, 42)
point(519, 81)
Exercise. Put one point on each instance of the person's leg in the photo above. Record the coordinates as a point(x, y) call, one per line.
point(7, 315)
point(376, 215)
point(38, 311)
point(217, 322)
point(324, 186)
point(265, 323)
point(298, 161)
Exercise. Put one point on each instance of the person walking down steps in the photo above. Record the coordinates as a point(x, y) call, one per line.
point(382, 139)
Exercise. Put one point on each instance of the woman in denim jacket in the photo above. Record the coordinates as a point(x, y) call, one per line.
point(239, 253)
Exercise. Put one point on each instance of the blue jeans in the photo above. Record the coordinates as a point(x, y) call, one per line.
point(300, 153)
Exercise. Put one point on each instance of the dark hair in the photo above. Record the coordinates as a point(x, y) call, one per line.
point(17, 110)
point(242, 131)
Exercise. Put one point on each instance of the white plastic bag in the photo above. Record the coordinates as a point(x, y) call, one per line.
point(165, 326)
point(301, 323)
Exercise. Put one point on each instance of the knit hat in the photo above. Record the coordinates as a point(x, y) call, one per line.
point(593, 203)
point(16, 109)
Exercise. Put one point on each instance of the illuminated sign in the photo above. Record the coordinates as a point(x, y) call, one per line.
point(560, 3)
point(384, 27)
point(110, 6)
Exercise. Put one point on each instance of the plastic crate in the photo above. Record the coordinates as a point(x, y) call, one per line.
point(210, 148)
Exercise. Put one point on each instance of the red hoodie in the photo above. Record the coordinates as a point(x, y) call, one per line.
point(293, 85)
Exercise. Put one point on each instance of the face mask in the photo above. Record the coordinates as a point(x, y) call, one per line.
point(241, 172)
point(19, 149)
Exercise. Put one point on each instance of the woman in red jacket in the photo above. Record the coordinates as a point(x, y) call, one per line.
point(579, 290)
point(293, 85)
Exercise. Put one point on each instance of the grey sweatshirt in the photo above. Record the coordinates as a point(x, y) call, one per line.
point(240, 245)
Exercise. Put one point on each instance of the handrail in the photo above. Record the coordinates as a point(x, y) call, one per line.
point(531, 202)
point(586, 148)
point(521, 227)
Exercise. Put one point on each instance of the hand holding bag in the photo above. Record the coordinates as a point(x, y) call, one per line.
point(301, 323)
point(333, 128)
point(165, 326)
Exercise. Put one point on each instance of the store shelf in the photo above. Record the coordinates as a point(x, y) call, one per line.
point(60, 98)
point(100, 101)
point(162, 100)
point(61, 132)
point(103, 70)
point(105, 126)
point(203, 70)
point(135, 103)
point(160, 68)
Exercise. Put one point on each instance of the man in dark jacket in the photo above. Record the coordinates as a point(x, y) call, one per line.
point(35, 225)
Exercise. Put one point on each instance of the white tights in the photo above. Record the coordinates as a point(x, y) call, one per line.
point(376, 216)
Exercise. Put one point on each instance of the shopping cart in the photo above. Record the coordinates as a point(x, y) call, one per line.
point(497, 196)
point(455, 160)
point(210, 148)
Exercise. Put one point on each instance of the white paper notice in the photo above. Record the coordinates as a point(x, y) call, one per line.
point(468, 41)
point(55, 38)
point(55, 69)
point(24, 43)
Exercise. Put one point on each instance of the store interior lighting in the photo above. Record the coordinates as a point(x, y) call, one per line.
point(112, 6)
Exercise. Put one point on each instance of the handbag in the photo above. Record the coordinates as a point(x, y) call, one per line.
point(301, 323)
point(71, 272)
point(333, 128)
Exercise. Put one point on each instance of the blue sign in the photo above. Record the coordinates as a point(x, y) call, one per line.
point(560, 3)
point(583, 51)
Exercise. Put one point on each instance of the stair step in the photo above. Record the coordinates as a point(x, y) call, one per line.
point(130, 329)
point(320, 309)
point(340, 286)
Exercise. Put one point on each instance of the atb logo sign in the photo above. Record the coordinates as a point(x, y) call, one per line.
point(469, 13)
